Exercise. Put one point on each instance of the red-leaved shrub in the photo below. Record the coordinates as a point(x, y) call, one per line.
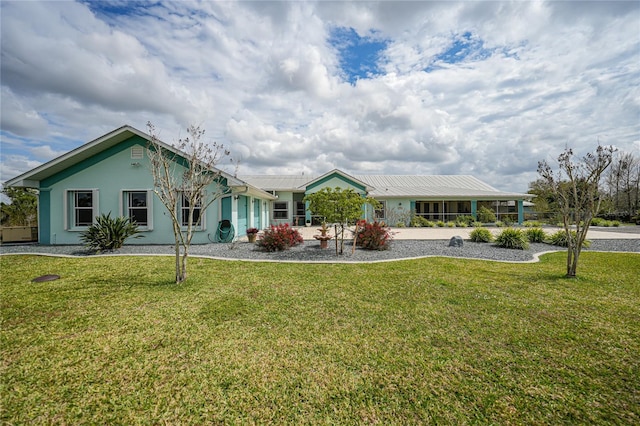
point(280, 237)
point(373, 236)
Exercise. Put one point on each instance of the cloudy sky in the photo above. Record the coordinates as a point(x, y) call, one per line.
point(475, 87)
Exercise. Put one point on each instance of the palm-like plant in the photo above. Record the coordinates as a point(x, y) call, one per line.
point(109, 233)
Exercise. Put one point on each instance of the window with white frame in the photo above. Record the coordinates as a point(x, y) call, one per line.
point(198, 221)
point(281, 210)
point(82, 208)
point(138, 204)
point(381, 212)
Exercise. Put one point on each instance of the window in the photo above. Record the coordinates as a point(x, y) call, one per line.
point(380, 213)
point(198, 222)
point(82, 208)
point(280, 210)
point(138, 206)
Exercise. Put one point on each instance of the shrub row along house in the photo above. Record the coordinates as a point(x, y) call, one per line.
point(111, 174)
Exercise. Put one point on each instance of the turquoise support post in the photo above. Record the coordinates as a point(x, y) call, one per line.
point(44, 217)
point(520, 211)
point(474, 209)
point(307, 213)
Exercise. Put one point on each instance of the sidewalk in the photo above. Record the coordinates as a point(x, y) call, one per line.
point(595, 233)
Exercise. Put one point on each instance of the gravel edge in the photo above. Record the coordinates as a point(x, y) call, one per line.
point(310, 251)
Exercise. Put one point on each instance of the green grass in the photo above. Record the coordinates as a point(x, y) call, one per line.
point(435, 341)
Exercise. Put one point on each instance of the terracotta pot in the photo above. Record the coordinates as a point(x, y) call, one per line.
point(252, 237)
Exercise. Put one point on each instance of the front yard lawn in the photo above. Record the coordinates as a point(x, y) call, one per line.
point(446, 341)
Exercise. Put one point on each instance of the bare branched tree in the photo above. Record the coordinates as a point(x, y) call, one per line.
point(576, 187)
point(187, 181)
point(623, 180)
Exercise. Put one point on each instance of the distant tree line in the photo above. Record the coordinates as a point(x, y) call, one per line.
point(21, 210)
point(622, 186)
point(619, 190)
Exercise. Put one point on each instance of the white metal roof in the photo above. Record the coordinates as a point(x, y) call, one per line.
point(395, 186)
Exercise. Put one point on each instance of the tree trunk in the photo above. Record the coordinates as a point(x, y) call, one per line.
point(183, 268)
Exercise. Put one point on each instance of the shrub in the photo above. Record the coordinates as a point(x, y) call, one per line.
point(419, 221)
point(430, 224)
point(615, 223)
point(461, 224)
point(451, 224)
point(535, 235)
point(486, 215)
point(468, 220)
point(400, 225)
point(476, 224)
point(531, 224)
point(280, 237)
point(513, 239)
point(109, 233)
point(481, 235)
point(440, 223)
point(598, 221)
point(560, 239)
point(499, 224)
point(373, 236)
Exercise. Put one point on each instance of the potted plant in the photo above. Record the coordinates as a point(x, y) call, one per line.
point(252, 233)
point(323, 237)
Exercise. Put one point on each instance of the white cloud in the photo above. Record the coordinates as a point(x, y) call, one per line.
point(262, 78)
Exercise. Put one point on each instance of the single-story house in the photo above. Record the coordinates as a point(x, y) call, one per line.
point(436, 198)
point(112, 174)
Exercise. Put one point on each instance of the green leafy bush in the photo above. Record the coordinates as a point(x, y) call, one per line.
point(486, 215)
point(477, 224)
point(535, 235)
point(440, 224)
point(373, 236)
point(615, 223)
point(451, 224)
point(419, 221)
point(109, 233)
point(280, 237)
point(531, 224)
point(466, 220)
point(560, 239)
point(499, 224)
point(512, 238)
point(481, 235)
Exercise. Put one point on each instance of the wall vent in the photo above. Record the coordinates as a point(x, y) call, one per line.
point(137, 152)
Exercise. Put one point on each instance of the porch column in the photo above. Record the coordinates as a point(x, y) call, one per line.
point(250, 219)
point(307, 213)
point(520, 211)
point(234, 212)
point(474, 209)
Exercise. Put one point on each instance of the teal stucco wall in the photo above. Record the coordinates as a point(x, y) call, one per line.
point(109, 173)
